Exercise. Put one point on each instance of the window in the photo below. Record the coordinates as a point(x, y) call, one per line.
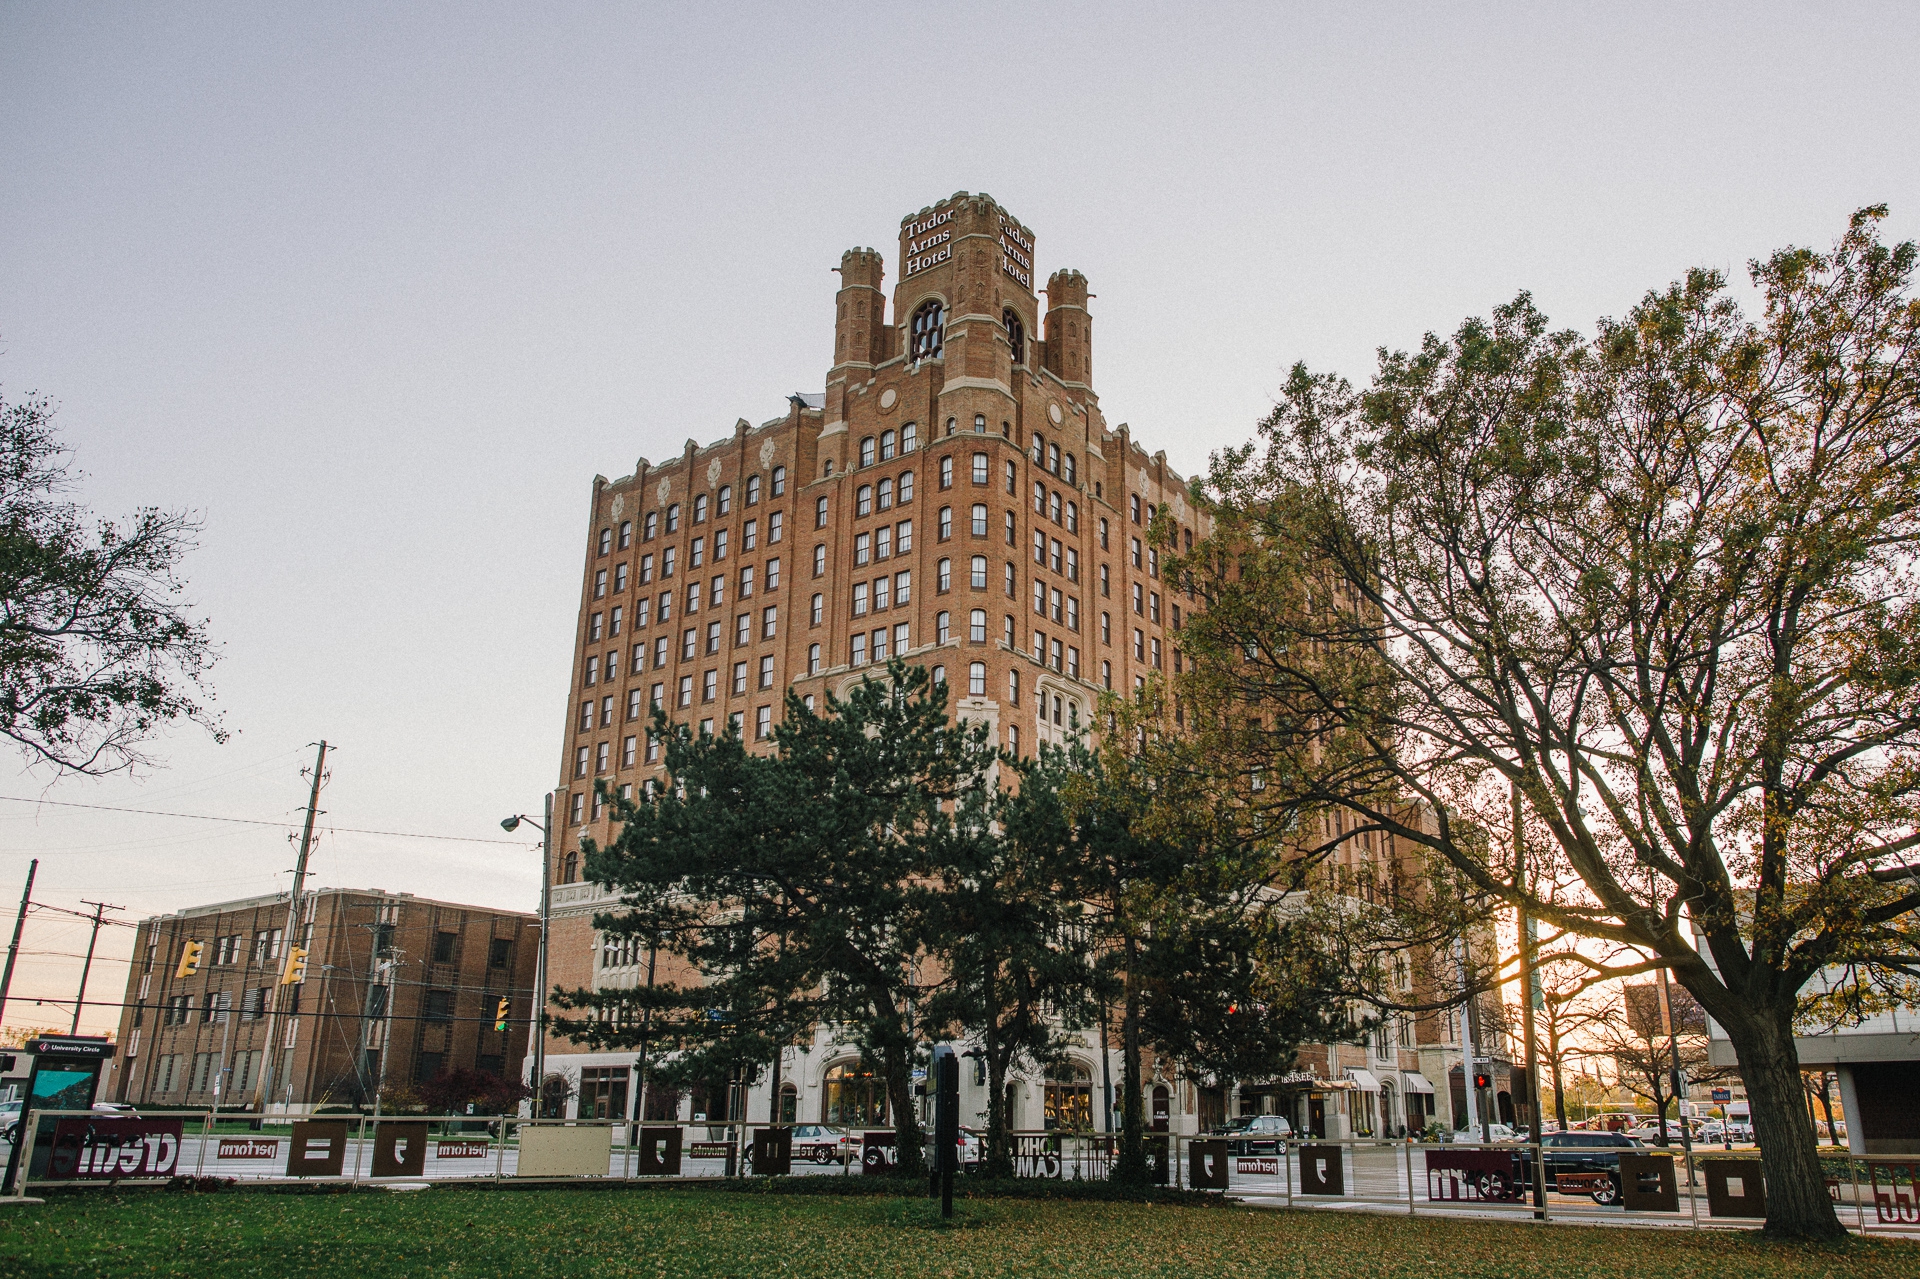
point(903, 537)
point(646, 569)
point(1067, 470)
point(942, 627)
point(1103, 534)
point(1039, 596)
point(883, 543)
point(763, 724)
point(1073, 517)
point(1053, 554)
point(1139, 595)
point(693, 597)
point(1039, 547)
point(814, 612)
point(600, 584)
point(773, 573)
point(1011, 581)
point(882, 592)
point(813, 659)
point(1039, 498)
point(697, 553)
point(1106, 581)
point(626, 534)
point(1136, 552)
point(1139, 644)
point(977, 679)
point(820, 511)
point(886, 446)
point(1013, 687)
point(819, 560)
point(613, 625)
point(863, 500)
point(977, 626)
point(866, 451)
point(1153, 563)
point(946, 472)
point(1106, 675)
point(724, 501)
point(979, 468)
point(859, 657)
point(619, 577)
point(909, 440)
point(902, 587)
point(667, 561)
point(1009, 630)
point(1053, 604)
point(439, 1005)
point(1013, 482)
point(739, 677)
point(593, 629)
point(769, 622)
point(862, 548)
point(1013, 538)
point(1156, 652)
point(709, 685)
point(443, 943)
point(746, 582)
point(601, 758)
point(1133, 506)
point(753, 490)
point(946, 522)
point(642, 611)
point(719, 545)
point(629, 750)
point(1013, 738)
point(939, 675)
point(1153, 607)
point(1016, 335)
point(859, 599)
point(979, 519)
point(926, 331)
point(576, 810)
point(977, 573)
point(1073, 613)
point(660, 651)
point(942, 576)
point(883, 495)
point(1073, 663)
point(1073, 564)
point(580, 761)
point(906, 487)
point(689, 643)
point(779, 481)
point(686, 690)
point(655, 695)
point(673, 518)
point(1039, 450)
point(776, 527)
point(880, 645)
point(650, 526)
point(606, 711)
point(766, 672)
point(606, 540)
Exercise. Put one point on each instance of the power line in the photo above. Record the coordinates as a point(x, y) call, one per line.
point(254, 821)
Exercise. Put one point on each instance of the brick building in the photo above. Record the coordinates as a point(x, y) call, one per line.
point(955, 496)
point(394, 983)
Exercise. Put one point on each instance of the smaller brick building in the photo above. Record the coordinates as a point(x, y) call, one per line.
point(394, 984)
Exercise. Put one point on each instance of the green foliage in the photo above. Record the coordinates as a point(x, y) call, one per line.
point(97, 652)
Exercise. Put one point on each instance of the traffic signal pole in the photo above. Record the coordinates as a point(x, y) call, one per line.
point(13, 951)
point(291, 937)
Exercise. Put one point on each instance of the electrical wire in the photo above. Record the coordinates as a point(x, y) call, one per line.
point(254, 821)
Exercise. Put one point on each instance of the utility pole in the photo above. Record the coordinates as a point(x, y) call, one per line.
point(13, 951)
point(290, 937)
point(1679, 1079)
point(540, 977)
point(80, 1001)
point(1470, 1036)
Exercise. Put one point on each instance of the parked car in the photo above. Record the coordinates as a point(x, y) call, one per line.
point(973, 1144)
point(9, 1119)
point(1255, 1134)
point(1581, 1152)
point(1495, 1132)
point(824, 1143)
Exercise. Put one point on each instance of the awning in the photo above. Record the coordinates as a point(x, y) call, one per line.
point(1364, 1079)
point(1415, 1081)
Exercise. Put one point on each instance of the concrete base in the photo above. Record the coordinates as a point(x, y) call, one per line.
point(6, 1200)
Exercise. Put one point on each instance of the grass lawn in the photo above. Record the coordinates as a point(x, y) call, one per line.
point(659, 1232)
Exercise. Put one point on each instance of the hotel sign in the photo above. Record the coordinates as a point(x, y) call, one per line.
point(1016, 253)
point(929, 243)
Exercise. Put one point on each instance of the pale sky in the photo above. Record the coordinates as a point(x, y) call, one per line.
point(377, 290)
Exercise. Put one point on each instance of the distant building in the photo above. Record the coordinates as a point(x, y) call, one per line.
point(396, 987)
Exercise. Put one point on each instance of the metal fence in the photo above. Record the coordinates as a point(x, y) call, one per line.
point(1652, 1185)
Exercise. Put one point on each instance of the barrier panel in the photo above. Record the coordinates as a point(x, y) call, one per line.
point(565, 1150)
point(1467, 1174)
point(318, 1148)
point(1647, 1183)
point(1207, 1165)
point(1892, 1204)
point(659, 1151)
point(773, 1152)
point(1322, 1170)
point(1735, 1187)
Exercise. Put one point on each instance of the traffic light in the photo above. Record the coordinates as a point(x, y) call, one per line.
point(296, 969)
point(500, 1014)
point(1483, 1080)
point(190, 959)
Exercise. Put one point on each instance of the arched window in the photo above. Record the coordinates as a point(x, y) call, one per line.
point(884, 495)
point(929, 323)
point(866, 451)
point(909, 436)
point(1069, 1099)
point(1016, 335)
point(940, 672)
point(1067, 471)
point(942, 631)
point(1053, 458)
point(853, 1096)
point(886, 446)
point(863, 500)
point(753, 490)
point(1039, 448)
point(570, 871)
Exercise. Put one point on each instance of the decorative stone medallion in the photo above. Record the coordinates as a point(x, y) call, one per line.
point(887, 398)
point(1053, 411)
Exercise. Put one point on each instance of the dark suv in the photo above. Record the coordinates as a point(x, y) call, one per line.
point(1255, 1134)
point(1582, 1152)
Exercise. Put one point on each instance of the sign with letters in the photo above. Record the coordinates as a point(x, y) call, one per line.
point(248, 1148)
point(109, 1149)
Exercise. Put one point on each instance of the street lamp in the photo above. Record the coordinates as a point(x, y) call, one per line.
point(510, 825)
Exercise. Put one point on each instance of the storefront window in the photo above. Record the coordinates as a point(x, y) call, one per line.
point(603, 1092)
point(855, 1096)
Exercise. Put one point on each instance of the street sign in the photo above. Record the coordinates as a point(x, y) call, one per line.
point(1722, 1095)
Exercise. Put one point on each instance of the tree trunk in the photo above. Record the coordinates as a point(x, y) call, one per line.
point(1131, 1166)
point(1797, 1202)
point(909, 1161)
point(999, 1153)
point(1559, 1086)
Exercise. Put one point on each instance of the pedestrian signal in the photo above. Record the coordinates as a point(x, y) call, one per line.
point(500, 1015)
point(190, 959)
point(1483, 1081)
point(296, 969)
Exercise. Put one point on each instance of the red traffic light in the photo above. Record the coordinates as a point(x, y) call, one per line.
point(1483, 1081)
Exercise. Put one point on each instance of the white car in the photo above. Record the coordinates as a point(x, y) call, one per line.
point(1495, 1132)
point(824, 1143)
point(972, 1146)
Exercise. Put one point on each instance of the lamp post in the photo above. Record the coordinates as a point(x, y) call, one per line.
point(510, 825)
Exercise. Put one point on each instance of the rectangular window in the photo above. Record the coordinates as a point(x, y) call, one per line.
point(1073, 614)
point(942, 627)
point(1136, 552)
point(880, 645)
point(883, 543)
point(1073, 564)
point(903, 537)
point(1053, 605)
point(739, 677)
point(979, 468)
point(1073, 663)
point(709, 685)
point(656, 695)
point(717, 592)
point(906, 487)
point(773, 573)
point(693, 597)
point(666, 606)
point(619, 578)
point(859, 648)
point(763, 723)
point(946, 523)
point(443, 944)
point(779, 481)
point(1013, 687)
point(719, 546)
point(600, 584)
point(1039, 547)
point(1039, 596)
point(713, 637)
point(659, 652)
point(499, 952)
point(1156, 652)
point(1153, 609)
point(859, 599)
point(689, 644)
point(1013, 486)
point(697, 553)
point(766, 671)
point(646, 569)
point(667, 561)
point(642, 611)
point(746, 582)
point(743, 629)
point(819, 560)
point(1053, 554)
point(820, 512)
point(816, 612)
point(586, 715)
point(686, 690)
point(1012, 533)
point(902, 588)
point(813, 659)
point(776, 526)
point(750, 535)
point(862, 548)
point(1139, 644)
point(769, 622)
point(1039, 498)
point(593, 629)
point(439, 1005)
point(1010, 581)
point(900, 637)
point(882, 592)
point(629, 750)
point(979, 520)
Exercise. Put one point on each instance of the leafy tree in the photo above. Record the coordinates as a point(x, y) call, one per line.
point(1004, 922)
point(1659, 587)
point(807, 866)
point(451, 1091)
point(97, 651)
point(1643, 1056)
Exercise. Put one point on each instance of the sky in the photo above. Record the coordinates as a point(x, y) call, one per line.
point(376, 291)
